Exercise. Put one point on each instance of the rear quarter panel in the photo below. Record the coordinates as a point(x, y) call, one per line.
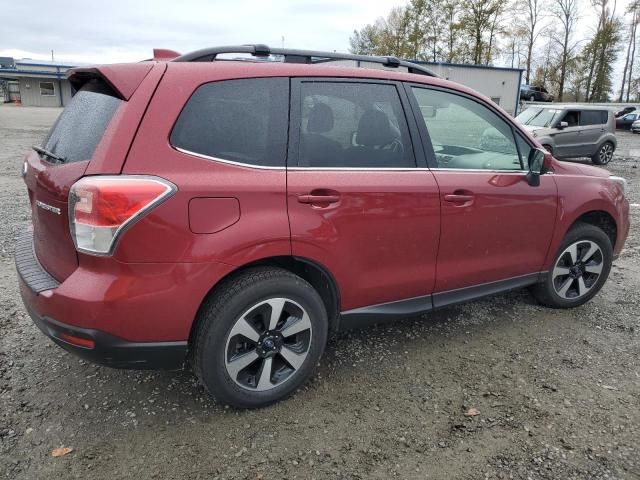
point(165, 235)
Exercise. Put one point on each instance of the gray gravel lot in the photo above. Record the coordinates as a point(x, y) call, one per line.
point(558, 391)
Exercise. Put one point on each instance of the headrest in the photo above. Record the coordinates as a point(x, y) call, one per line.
point(374, 129)
point(320, 119)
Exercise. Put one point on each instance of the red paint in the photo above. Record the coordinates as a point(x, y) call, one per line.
point(383, 235)
point(503, 231)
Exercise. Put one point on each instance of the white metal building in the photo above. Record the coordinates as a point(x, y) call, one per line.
point(501, 84)
point(37, 83)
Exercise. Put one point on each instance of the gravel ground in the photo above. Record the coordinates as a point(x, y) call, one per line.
point(558, 391)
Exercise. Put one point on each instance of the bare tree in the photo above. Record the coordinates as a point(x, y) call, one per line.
point(566, 11)
point(527, 19)
point(634, 10)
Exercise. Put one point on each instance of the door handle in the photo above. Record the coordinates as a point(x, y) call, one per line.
point(318, 198)
point(458, 198)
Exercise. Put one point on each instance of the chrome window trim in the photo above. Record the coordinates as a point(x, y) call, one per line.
point(355, 169)
point(360, 169)
point(229, 162)
point(478, 170)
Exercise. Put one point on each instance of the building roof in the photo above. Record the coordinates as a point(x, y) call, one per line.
point(27, 67)
point(44, 63)
point(466, 65)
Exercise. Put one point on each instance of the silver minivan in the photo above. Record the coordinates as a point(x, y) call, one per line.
point(573, 131)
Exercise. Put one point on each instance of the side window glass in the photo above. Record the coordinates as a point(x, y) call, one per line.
point(593, 117)
point(466, 134)
point(353, 125)
point(239, 120)
point(572, 117)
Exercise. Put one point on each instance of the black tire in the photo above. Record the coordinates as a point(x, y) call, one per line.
point(548, 148)
point(604, 154)
point(546, 291)
point(228, 303)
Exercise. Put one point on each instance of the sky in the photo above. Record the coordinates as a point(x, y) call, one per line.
point(128, 30)
point(121, 30)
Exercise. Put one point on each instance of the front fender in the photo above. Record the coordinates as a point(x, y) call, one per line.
point(601, 195)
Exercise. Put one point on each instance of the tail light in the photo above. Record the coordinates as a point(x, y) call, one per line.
point(101, 208)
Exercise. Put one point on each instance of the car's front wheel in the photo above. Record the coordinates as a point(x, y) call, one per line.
point(579, 270)
point(604, 154)
point(259, 338)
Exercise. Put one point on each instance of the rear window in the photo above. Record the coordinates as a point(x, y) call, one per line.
point(593, 117)
point(238, 120)
point(82, 124)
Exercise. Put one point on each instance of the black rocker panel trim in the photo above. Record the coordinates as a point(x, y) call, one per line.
point(412, 307)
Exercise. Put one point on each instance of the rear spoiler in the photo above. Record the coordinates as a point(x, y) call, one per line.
point(164, 55)
point(123, 78)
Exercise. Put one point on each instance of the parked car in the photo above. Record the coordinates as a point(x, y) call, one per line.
point(572, 132)
point(635, 127)
point(226, 215)
point(624, 111)
point(624, 123)
point(532, 93)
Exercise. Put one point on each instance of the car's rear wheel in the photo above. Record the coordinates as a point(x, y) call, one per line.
point(604, 154)
point(548, 148)
point(259, 337)
point(579, 270)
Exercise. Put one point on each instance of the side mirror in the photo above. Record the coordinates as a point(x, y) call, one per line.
point(536, 164)
point(562, 125)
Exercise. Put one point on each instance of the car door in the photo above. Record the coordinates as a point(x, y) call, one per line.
point(629, 119)
point(358, 205)
point(494, 225)
point(593, 123)
point(569, 141)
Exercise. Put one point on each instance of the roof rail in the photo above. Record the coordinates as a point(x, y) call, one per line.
point(300, 56)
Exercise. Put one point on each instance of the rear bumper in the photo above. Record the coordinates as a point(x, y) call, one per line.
point(112, 351)
point(124, 315)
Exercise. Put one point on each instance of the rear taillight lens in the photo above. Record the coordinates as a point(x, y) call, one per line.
point(102, 207)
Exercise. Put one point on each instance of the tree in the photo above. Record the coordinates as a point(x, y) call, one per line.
point(479, 18)
point(634, 10)
point(387, 36)
point(527, 20)
point(601, 52)
point(450, 12)
point(566, 12)
point(365, 41)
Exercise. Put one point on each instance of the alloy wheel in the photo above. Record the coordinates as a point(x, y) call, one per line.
point(578, 269)
point(268, 344)
point(606, 153)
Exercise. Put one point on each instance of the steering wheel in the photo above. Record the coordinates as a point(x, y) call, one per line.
point(395, 146)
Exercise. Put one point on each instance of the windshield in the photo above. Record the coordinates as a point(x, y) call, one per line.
point(539, 117)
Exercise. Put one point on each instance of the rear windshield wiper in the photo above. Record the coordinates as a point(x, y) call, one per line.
point(49, 154)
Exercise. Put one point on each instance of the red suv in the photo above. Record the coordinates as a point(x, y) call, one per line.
point(229, 214)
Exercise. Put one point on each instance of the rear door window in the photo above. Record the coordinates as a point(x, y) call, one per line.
point(353, 125)
point(593, 117)
point(242, 121)
point(80, 127)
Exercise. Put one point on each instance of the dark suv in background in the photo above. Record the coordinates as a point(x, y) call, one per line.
point(531, 93)
point(228, 214)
